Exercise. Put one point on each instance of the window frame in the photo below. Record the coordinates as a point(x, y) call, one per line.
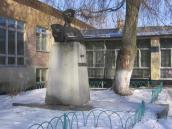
point(41, 34)
point(40, 74)
point(15, 30)
point(141, 68)
point(140, 58)
point(166, 68)
point(95, 71)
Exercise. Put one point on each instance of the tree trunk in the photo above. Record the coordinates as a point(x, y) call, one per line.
point(126, 56)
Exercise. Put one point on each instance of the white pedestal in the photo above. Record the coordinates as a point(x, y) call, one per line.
point(68, 75)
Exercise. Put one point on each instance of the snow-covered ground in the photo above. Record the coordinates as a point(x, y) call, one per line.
point(21, 117)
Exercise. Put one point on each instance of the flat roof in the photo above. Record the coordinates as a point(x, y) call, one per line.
point(149, 31)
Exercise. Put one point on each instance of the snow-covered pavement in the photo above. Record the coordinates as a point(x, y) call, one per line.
point(20, 117)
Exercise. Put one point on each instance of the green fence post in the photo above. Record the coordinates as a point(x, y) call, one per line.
point(65, 121)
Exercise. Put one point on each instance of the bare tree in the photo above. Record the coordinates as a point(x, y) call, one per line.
point(148, 10)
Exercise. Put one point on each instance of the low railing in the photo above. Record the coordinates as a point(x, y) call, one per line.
point(97, 83)
point(137, 117)
point(155, 92)
point(139, 83)
point(38, 85)
point(144, 83)
point(100, 83)
point(107, 83)
point(96, 117)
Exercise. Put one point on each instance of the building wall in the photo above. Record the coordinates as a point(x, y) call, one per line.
point(153, 60)
point(102, 56)
point(24, 76)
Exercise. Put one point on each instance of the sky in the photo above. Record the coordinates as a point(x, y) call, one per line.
point(110, 21)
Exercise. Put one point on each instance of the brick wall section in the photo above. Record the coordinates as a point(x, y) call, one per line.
point(34, 13)
point(33, 17)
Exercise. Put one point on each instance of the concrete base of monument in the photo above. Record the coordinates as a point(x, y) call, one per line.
point(68, 75)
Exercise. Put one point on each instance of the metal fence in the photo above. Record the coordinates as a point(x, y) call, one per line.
point(38, 85)
point(95, 118)
point(139, 113)
point(155, 92)
point(107, 83)
point(139, 83)
point(97, 84)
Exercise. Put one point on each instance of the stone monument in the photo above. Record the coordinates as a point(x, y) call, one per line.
point(67, 75)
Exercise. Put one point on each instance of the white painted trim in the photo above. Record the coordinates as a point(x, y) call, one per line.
point(41, 36)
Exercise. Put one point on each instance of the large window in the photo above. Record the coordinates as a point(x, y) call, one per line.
point(145, 58)
point(165, 58)
point(101, 58)
point(95, 59)
point(142, 60)
point(111, 56)
point(166, 61)
point(95, 54)
point(11, 42)
point(41, 39)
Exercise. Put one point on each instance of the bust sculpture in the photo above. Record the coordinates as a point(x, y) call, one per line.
point(68, 16)
point(66, 33)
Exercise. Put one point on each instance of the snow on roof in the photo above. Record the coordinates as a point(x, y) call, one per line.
point(117, 33)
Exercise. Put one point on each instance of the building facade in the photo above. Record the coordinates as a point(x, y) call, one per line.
point(25, 42)
point(26, 39)
point(153, 60)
